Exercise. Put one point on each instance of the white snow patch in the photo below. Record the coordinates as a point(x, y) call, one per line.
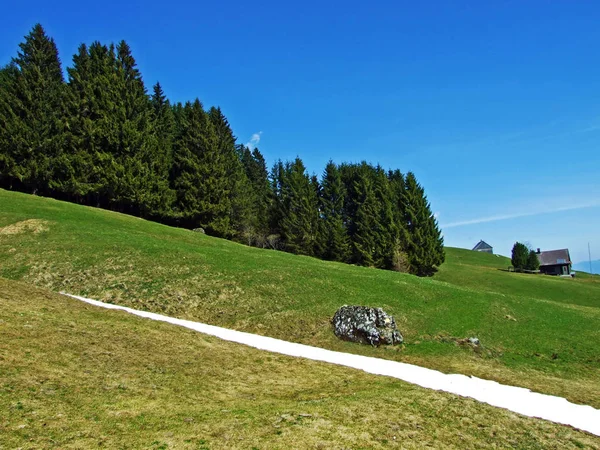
point(516, 399)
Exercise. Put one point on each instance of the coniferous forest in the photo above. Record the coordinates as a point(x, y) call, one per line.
point(100, 138)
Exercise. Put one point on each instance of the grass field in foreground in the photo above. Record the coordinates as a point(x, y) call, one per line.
point(76, 376)
point(536, 331)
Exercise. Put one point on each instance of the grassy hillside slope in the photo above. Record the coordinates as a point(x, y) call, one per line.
point(76, 376)
point(488, 273)
point(537, 332)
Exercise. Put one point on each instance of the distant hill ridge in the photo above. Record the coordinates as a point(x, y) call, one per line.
point(584, 266)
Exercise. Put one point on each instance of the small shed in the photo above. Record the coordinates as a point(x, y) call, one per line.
point(555, 262)
point(483, 246)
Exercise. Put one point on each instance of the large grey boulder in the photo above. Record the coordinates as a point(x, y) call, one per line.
point(366, 325)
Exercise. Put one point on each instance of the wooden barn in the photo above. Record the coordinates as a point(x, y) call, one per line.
point(555, 262)
point(483, 246)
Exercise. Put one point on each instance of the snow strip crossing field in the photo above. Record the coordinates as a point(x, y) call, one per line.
point(516, 399)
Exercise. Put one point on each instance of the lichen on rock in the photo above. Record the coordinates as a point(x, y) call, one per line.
point(366, 325)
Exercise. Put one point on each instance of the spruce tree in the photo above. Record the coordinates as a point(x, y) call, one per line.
point(94, 125)
point(199, 174)
point(256, 172)
point(277, 203)
point(32, 114)
point(163, 127)
point(163, 123)
point(185, 170)
point(426, 244)
point(260, 184)
point(12, 131)
point(299, 222)
point(320, 240)
point(400, 261)
point(387, 232)
point(365, 218)
point(333, 194)
point(238, 185)
point(142, 175)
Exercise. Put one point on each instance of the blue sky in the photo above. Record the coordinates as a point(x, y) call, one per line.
point(494, 105)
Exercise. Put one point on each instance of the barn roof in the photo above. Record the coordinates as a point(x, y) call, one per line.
point(553, 257)
point(482, 245)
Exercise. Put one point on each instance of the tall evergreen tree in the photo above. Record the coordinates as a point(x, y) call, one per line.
point(398, 197)
point(366, 218)
point(277, 204)
point(368, 215)
point(260, 183)
point(163, 127)
point(142, 167)
point(238, 184)
point(32, 114)
point(426, 244)
point(164, 124)
point(387, 233)
point(256, 170)
point(12, 130)
point(333, 194)
point(320, 243)
point(185, 173)
point(94, 129)
point(299, 222)
point(200, 174)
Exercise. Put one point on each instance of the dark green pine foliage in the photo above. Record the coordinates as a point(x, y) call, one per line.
point(237, 182)
point(11, 130)
point(400, 261)
point(387, 241)
point(299, 221)
point(32, 115)
point(277, 207)
point(200, 174)
point(336, 246)
point(260, 183)
point(255, 168)
point(178, 118)
point(366, 226)
point(94, 129)
point(185, 175)
point(320, 242)
point(164, 129)
point(426, 244)
point(142, 167)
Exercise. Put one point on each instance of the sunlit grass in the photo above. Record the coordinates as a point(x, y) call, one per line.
point(76, 376)
point(536, 331)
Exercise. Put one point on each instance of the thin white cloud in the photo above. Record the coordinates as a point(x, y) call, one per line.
point(518, 215)
point(517, 138)
point(590, 129)
point(594, 126)
point(254, 140)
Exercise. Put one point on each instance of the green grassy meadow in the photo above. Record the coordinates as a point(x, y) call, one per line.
point(76, 376)
point(538, 332)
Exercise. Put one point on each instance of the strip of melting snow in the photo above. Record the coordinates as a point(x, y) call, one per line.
point(516, 399)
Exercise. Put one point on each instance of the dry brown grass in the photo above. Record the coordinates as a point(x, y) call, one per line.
point(550, 347)
point(34, 226)
point(75, 376)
